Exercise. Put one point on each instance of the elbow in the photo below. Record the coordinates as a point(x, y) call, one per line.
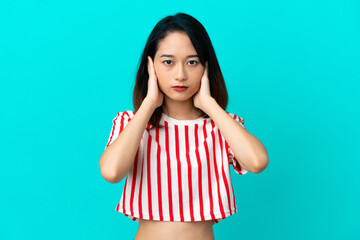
point(110, 175)
point(261, 164)
point(107, 172)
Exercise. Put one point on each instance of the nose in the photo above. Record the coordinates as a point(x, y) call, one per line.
point(180, 72)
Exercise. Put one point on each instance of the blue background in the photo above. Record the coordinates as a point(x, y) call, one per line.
point(292, 72)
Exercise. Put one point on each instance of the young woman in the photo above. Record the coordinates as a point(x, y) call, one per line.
point(177, 146)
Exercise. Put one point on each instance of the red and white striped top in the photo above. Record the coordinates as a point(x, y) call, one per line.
point(181, 172)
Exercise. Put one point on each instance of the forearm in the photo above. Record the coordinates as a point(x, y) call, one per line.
point(248, 150)
point(118, 157)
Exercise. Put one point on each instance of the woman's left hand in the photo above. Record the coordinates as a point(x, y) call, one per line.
point(203, 95)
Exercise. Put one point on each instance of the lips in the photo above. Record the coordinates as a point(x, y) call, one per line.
point(179, 88)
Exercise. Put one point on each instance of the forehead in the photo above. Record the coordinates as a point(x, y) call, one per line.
point(177, 44)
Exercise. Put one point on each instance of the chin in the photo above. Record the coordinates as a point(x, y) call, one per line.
point(181, 98)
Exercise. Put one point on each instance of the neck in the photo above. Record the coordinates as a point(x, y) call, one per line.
point(182, 110)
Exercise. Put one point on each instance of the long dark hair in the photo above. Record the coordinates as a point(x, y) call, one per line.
point(185, 23)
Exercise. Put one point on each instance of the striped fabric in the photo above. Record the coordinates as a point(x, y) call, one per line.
point(181, 172)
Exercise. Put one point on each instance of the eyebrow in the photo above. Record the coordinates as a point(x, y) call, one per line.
point(168, 55)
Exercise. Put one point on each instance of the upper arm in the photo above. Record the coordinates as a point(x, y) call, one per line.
point(118, 125)
point(232, 159)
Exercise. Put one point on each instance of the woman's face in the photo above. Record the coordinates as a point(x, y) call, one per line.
point(176, 63)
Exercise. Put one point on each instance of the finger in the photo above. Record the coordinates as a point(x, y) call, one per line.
point(149, 65)
point(152, 68)
point(205, 71)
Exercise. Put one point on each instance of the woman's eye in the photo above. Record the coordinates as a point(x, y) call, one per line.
point(168, 62)
point(193, 61)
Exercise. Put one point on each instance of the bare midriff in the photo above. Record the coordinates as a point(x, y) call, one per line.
point(165, 230)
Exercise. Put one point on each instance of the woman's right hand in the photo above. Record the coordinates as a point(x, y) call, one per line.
point(153, 93)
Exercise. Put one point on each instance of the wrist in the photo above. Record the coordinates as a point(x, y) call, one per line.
point(209, 104)
point(150, 103)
